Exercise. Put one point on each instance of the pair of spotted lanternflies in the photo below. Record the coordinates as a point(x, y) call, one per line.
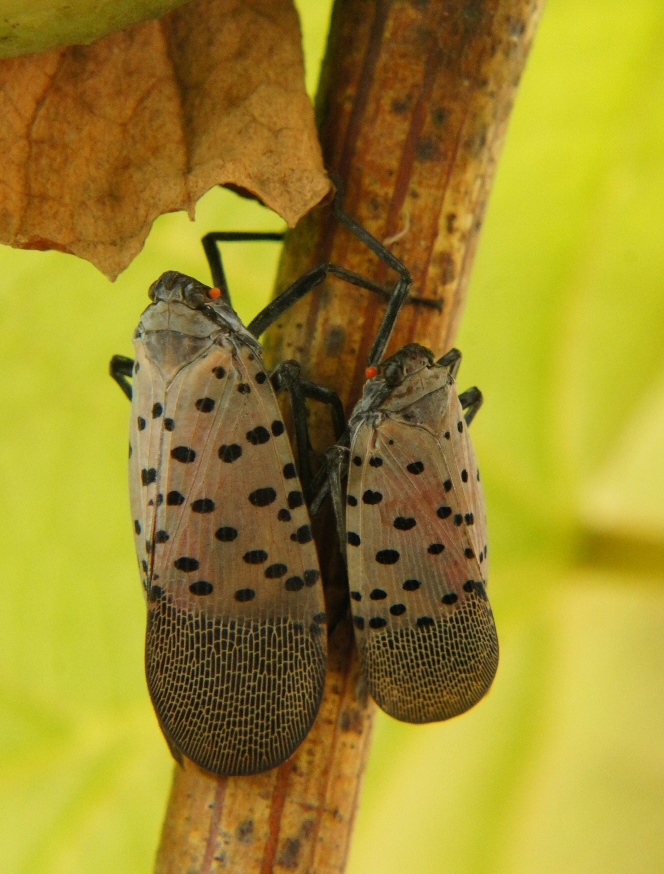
point(236, 638)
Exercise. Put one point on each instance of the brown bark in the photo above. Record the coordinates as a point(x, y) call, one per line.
point(412, 109)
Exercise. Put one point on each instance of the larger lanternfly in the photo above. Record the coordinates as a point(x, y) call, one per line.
point(414, 533)
point(236, 639)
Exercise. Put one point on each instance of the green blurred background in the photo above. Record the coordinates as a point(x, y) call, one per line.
point(561, 767)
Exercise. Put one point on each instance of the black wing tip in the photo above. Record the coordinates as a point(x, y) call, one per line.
point(234, 722)
point(431, 673)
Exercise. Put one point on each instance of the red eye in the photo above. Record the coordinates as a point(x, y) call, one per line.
point(371, 371)
point(214, 293)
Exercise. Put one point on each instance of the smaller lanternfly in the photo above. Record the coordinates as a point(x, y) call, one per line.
point(416, 541)
point(236, 640)
point(413, 530)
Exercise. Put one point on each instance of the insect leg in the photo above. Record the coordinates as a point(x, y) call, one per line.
point(401, 287)
point(328, 481)
point(470, 400)
point(287, 375)
point(213, 254)
point(327, 396)
point(452, 361)
point(303, 285)
point(120, 369)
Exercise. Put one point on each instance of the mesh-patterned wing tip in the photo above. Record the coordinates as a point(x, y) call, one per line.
point(433, 671)
point(236, 696)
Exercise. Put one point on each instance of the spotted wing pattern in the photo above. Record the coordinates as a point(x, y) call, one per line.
point(417, 560)
point(235, 642)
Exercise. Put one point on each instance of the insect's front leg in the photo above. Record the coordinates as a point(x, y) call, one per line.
point(213, 254)
point(452, 361)
point(121, 368)
point(470, 400)
point(287, 375)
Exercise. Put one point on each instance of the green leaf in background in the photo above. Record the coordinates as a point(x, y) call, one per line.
point(561, 769)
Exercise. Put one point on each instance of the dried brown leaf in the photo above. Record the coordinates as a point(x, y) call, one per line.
point(99, 140)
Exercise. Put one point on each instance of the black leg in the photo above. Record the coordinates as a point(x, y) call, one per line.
point(121, 368)
point(316, 275)
point(338, 469)
point(287, 375)
point(328, 481)
point(213, 254)
point(327, 396)
point(452, 361)
point(303, 285)
point(470, 400)
point(401, 288)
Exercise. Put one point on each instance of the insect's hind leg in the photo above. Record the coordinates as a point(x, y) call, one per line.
point(287, 375)
point(213, 254)
point(470, 400)
point(121, 368)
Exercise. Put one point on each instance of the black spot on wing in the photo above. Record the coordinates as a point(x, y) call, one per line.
point(226, 533)
point(258, 435)
point(229, 453)
point(244, 595)
point(377, 622)
point(255, 556)
point(263, 497)
point(186, 564)
point(184, 454)
point(295, 499)
point(148, 475)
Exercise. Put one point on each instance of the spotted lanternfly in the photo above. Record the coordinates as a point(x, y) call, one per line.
point(236, 640)
point(416, 541)
point(413, 530)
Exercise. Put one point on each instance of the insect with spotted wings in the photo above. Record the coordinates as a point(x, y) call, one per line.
point(236, 643)
point(413, 531)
